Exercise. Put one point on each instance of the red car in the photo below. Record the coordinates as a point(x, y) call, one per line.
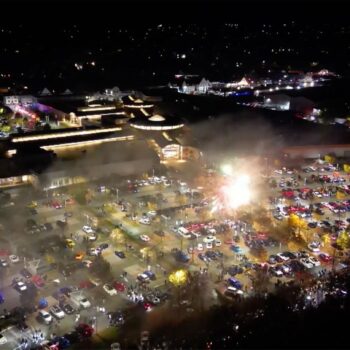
point(261, 235)
point(147, 306)
point(325, 257)
point(85, 330)
point(86, 284)
point(119, 286)
point(38, 281)
point(4, 252)
point(56, 205)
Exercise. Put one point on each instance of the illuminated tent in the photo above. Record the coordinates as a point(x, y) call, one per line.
point(45, 92)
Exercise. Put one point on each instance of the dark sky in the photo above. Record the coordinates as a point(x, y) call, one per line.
point(42, 41)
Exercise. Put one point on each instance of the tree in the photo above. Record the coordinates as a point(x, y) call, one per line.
point(326, 239)
point(295, 222)
point(343, 240)
point(102, 268)
point(260, 281)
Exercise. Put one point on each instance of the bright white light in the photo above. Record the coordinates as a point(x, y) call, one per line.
point(238, 192)
point(227, 169)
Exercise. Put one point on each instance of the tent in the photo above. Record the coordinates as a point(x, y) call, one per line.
point(67, 92)
point(45, 92)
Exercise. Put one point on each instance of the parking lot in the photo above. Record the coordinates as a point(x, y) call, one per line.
point(87, 255)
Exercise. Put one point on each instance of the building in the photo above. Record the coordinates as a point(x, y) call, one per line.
point(12, 101)
point(135, 106)
point(277, 101)
point(302, 105)
point(122, 159)
point(190, 84)
point(165, 134)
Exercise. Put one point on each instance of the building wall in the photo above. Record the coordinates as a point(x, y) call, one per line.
point(58, 179)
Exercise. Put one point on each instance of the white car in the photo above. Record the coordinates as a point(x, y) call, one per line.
point(199, 246)
point(155, 300)
point(91, 237)
point(57, 311)
point(233, 290)
point(286, 269)
point(152, 213)
point(45, 316)
point(209, 239)
point(142, 277)
point(209, 245)
point(85, 303)
point(14, 259)
point(87, 263)
point(94, 251)
point(109, 289)
point(144, 238)
point(21, 286)
point(276, 272)
point(315, 248)
point(218, 243)
point(145, 221)
point(283, 257)
point(307, 263)
point(3, 339)
point(314, 261)
point(115, 346)
point(88, 229)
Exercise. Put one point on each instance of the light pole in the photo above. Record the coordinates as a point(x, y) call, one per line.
point(117, 195)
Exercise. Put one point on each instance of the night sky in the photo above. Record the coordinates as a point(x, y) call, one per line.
point(90, 44)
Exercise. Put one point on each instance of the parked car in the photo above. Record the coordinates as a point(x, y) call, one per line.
point(324, 257)
point(119, 286)
point(281, 258)
point(68, 309)
point(144, 238)
point(120, 254)
point(142, 277)
point(20, 286)
point(88, 229)
point(45, 317)
point(56, 311)
point(14, 258)
point(234, 283)
point(314, 261)
point(314, 247)
point(109, 289)
point(307, 263)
